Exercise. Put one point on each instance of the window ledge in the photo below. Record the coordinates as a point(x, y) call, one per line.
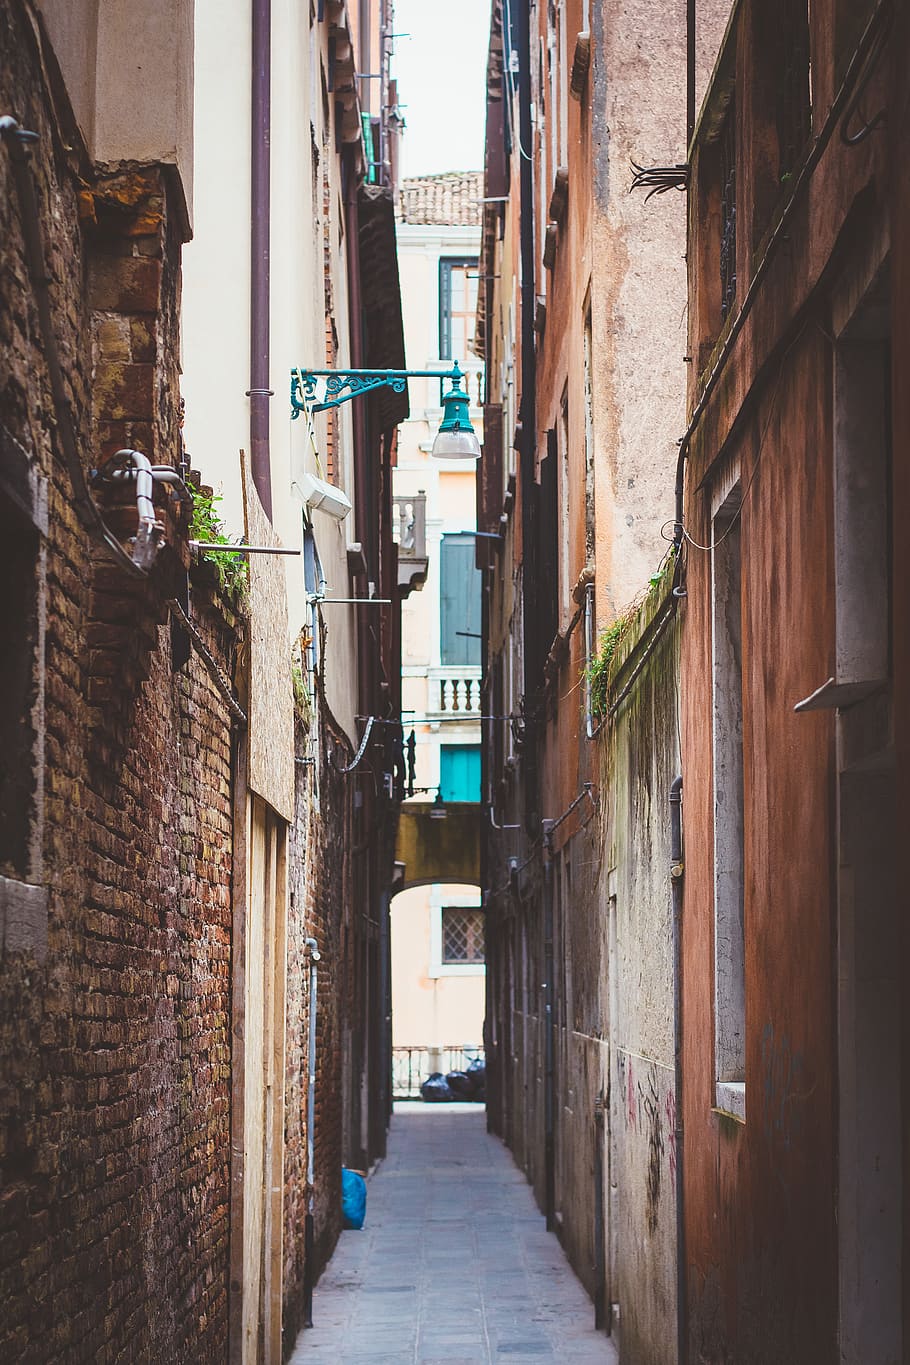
point(730, 1099)
point(457, 969)
point(834, 694)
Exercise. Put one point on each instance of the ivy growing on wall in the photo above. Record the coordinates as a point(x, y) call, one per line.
point(206, 525)
point(603, 668)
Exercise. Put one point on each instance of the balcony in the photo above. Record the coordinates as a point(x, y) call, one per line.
point(410, 535)
point(454, 690)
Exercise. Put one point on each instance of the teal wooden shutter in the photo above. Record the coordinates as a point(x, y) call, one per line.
point(459, 594)
point(459, 772)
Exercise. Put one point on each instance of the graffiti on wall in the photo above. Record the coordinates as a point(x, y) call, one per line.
point(647, 1103)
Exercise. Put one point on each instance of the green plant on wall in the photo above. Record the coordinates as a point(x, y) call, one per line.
point(206, 525)
point(600, 670)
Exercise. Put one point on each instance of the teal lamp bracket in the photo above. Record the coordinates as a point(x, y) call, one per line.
point(317, 390)
point(322, 389)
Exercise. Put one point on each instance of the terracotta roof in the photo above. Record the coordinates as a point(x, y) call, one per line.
point(451, 198)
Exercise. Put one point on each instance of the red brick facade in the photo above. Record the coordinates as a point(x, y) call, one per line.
point(115, 1007)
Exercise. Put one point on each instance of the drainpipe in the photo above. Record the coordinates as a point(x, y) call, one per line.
point(676, 876)
point(549, 1098)
point(528, 410)
point(308, 1237)
point(260, 225)
point(690, 72)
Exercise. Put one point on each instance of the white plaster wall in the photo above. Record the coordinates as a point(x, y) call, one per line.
point(216, 264)
point(429, 1010)
point(216, 294)
point(129, 75)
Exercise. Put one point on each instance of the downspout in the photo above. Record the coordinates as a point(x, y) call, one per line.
point(308, 1234)
point(385, 1032)
point(260, 232)
point(549, 1098)
point(676, 876)
point(528, 410)
point(690, 71)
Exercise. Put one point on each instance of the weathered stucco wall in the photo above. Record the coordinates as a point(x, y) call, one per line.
point(762, 1195)
point(640, 754)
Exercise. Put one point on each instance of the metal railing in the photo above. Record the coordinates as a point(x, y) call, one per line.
point(412, 1065)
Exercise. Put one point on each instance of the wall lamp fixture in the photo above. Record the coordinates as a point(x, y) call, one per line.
point(317, 390)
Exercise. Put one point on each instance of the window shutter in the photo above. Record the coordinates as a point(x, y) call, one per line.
point(460, 583)
point(459, 772)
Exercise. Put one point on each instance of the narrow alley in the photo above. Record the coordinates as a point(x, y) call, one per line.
point(454, 682)
point(454, 1264)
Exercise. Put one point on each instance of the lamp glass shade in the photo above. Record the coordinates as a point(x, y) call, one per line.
point(456, 445)
point(455, 439)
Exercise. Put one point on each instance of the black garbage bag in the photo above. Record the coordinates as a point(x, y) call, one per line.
point(434, 1089)
point(477, 1075)
point(460, 1084)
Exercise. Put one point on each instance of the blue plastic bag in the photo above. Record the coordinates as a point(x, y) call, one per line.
point(353, 1199)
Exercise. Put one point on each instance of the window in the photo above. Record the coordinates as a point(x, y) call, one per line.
point(728, 212)
point(462, 935)
point(459, 772)
point(791, 64)
point(457, 307)
point(729, 882)
point(565, 565)
point(459, 601)
point(589, 441)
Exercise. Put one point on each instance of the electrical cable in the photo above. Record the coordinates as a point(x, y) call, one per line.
point(349, 768)
point(775, 394)
point(841, 102)
point(209, 660)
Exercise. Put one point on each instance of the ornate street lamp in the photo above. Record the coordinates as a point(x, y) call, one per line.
point(455, 439)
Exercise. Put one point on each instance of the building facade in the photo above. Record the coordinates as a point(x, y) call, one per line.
point(120, 719)
point(582, 328)
point(695, 668)
point(199, 778)
point(437, 939)
point(793, 970)
point(311, 259)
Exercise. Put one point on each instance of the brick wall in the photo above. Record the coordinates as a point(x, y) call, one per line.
point(114, 1015)
point(316, 909)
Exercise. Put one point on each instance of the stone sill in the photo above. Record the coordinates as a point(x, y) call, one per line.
point(730, 1099)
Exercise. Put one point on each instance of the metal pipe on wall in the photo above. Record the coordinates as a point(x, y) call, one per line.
point(260, 233)
point(308, 1228)
point(690, 72)
point(676, 876)
point(549, 1051)
point(528, 408)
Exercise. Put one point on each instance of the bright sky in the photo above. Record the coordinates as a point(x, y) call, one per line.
point(441, 72)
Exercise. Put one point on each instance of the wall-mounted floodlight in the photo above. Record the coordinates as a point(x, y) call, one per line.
point(317, 390)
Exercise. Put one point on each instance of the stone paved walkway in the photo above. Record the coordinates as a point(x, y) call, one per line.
point(454, 1265)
